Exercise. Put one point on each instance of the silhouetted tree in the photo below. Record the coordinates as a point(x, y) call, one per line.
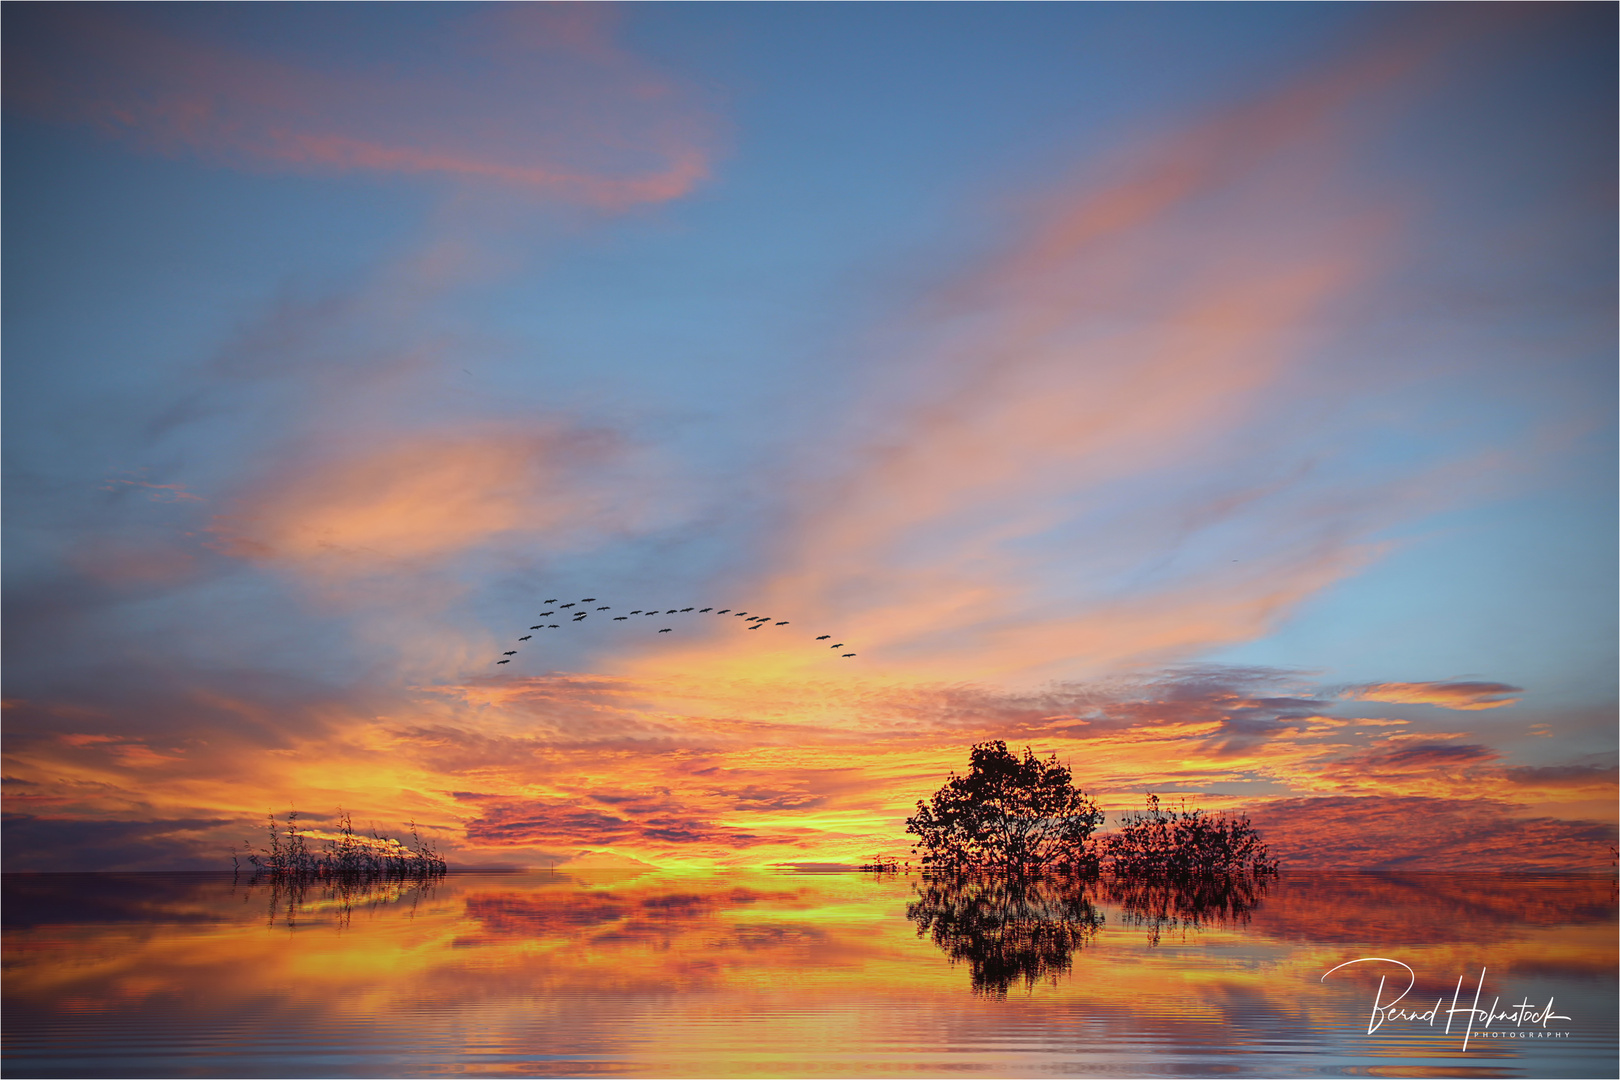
point(1009, 815)
point(1006, 928)
point(1160, 843)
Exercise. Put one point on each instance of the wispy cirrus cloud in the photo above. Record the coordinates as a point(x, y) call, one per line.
point(426, 494)
point(538, 97)
point(1127, 435)
point(1464, 695)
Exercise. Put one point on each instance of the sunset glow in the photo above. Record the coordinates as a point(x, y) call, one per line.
point(1234, 419)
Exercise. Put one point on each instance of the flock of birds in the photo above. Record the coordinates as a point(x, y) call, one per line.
point(581, 615)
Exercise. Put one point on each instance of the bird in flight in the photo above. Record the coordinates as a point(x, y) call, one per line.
point(755, 621)
point(510, 652)
point(543, 614)
point(503, 661)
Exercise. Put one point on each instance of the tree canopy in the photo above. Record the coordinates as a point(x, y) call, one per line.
point(1020, 816)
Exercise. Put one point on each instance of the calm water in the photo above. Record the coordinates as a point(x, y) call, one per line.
point(799, 975)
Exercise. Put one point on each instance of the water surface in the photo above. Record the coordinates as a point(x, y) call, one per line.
point(783, 974)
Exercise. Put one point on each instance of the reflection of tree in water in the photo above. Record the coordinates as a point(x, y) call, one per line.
point(1010, 928)
point(1006, 928)
point(1185, 903)
point(294, 900)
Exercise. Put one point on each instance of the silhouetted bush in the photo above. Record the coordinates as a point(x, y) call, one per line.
point(1026, 817)
point(1009, 815)
point(1160, 843)
point(347, 857)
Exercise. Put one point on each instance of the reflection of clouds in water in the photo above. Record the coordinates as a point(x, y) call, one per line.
point(291, 902)
point(1431, 909)
point(1160, 905)
point(663, 973)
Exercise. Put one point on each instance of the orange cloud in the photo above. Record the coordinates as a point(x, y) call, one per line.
point(1447, 695)
point(1073, 468)
point(423, 496)
point(702, 774)
point(533, 96)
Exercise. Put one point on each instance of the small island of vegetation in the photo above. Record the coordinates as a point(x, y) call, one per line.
point(1013, 873)
point(1023, 817)
point(345, 857)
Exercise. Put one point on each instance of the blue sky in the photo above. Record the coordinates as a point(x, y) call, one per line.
point(1045, 349)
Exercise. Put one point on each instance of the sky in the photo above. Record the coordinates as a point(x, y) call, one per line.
point(1220, 397)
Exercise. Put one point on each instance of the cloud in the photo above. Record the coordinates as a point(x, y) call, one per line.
point(1129, 435)
point(1447, 695)
point(45, 844)
point(425, 494)
point(533, 96)
point(1572, 776)
point(156, 492)
point(1382, 832)
point(699, 774)
point(572, 826)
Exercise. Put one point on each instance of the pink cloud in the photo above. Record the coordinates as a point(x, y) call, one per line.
point(1447, 695)
point(1094, 453)
point(534, 96)
point(422, 496)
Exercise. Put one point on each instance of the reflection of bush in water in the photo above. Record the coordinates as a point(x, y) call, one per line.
point(1185, 903)
point(1007, 929)
point(348, 856)
point(291, 900)
point(1010, 928)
